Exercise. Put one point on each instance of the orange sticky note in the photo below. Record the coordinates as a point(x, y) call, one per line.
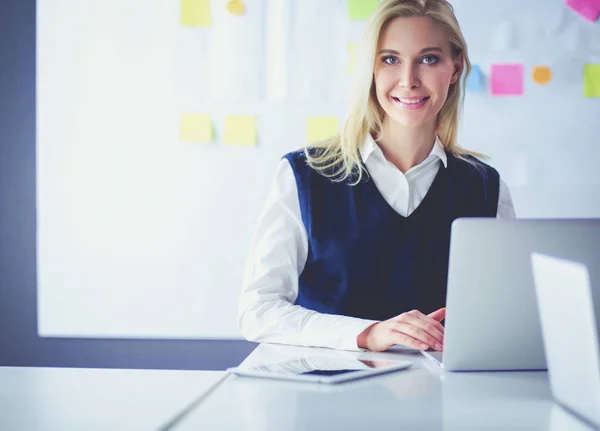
point(195, 128)
point(240, 130)
point(195, 13)
point(541, 75)
point(319, 128)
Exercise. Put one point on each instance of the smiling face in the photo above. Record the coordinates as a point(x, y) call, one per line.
point(413, 70)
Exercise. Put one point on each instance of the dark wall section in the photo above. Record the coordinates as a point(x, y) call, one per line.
point(19, 342)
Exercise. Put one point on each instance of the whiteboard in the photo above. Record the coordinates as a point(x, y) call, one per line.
point(143, 235)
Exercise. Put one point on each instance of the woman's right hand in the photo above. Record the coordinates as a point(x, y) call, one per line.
point(412, 329)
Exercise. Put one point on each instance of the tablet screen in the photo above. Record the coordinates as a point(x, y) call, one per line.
point(322, 369)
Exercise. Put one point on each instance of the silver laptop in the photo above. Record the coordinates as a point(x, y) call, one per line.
point(570, 333)
point(492, 320)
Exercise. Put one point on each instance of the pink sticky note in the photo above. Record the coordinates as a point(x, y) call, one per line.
point(507, 79)
point(588, 9)
point(594, 3)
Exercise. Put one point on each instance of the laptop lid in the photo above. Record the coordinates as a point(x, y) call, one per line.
point(492, 320)
point(570, 333)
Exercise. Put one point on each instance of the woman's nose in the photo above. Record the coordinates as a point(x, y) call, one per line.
point(409, 78)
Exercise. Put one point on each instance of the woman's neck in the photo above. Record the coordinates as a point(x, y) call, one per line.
point(406, 147)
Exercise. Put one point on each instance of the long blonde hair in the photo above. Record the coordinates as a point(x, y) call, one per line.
point(338, 157)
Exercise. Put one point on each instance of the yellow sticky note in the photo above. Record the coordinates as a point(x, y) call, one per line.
point(319, 128)
point(236, 7)
point(195, 128)
point(195, 13)
point(361, 9)
point(591, 80)
point(351, 58)
point(240, 130)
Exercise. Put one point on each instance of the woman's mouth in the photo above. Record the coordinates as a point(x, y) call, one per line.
point(412, 102)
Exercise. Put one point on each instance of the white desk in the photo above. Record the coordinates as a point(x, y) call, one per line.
point(421, 398)
point(66, 399)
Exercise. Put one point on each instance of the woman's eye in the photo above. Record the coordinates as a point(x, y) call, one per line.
point(430, 59)
point(390, 59)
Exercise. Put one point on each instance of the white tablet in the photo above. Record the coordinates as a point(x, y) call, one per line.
point(321, 369)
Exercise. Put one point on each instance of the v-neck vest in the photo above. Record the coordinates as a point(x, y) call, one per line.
point(366, 260)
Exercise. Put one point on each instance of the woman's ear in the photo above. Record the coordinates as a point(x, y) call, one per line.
point(459, 62)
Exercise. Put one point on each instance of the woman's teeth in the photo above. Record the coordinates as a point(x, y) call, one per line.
point(410, 101)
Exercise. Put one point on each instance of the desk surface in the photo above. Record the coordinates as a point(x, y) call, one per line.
point(421, 398)
point(97, 399)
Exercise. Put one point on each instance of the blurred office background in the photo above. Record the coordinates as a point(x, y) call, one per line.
point(138, 139)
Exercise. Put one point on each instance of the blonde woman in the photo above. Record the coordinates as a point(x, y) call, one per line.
point(351, 249)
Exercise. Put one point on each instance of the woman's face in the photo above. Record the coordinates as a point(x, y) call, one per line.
point(413, 70)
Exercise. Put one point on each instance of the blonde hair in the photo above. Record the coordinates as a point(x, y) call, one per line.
point(338, 157)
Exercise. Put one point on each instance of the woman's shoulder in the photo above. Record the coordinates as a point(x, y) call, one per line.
point(301, 153)
point(471, 164)
point(299, 158)
point(295, 155)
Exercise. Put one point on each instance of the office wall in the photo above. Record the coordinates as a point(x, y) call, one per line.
point(134, 221)
point(532, 131)
point(19, 340)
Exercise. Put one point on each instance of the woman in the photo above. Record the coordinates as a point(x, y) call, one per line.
point(351, 250)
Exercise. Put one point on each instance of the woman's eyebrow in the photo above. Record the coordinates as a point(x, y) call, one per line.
point(429, 49)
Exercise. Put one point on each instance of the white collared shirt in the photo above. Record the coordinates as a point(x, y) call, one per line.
point(279, 250)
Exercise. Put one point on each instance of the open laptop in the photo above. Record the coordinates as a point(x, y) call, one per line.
point(570, 334)
point(492, 320)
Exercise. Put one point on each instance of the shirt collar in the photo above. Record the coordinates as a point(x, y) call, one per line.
point(369, 147)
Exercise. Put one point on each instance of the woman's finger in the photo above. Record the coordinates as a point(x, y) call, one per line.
point(438, 315)
point(427, 318)
point(426, 325)
point(408, 341)
point(418, 334)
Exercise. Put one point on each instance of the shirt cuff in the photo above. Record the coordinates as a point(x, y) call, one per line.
point(348, 339)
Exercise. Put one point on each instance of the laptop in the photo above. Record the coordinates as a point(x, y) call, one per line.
point(570, 334)
point(492, 320)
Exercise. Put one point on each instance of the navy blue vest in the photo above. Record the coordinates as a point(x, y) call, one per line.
point(366, 260)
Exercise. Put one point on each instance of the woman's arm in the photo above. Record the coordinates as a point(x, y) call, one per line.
point(506, 209)
point(277, 256)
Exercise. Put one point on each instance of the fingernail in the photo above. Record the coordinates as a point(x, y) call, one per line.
point(439, 346)
point(424, 346)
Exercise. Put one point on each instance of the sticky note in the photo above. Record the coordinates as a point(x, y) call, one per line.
point(591, 80)
point(351, 64)
point(475, 80)
point(236, 7)
point(195, 13)
point(240, 130)
point(361, 9)
point(507, 80)
point(587, 9)
point(319, 128)
point(195, 128)
point(541, 75)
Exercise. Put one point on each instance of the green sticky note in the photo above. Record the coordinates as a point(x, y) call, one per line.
point(195, 128)
point(240, 130)
point(361, 9)
point(195, 13)
point(351, 64)
point(319, 128)
point(591, 80)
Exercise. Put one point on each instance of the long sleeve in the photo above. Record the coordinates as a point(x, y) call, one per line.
point(276, 258)
point(506, 209)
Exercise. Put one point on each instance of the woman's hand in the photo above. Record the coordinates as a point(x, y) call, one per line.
point(412, 329)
